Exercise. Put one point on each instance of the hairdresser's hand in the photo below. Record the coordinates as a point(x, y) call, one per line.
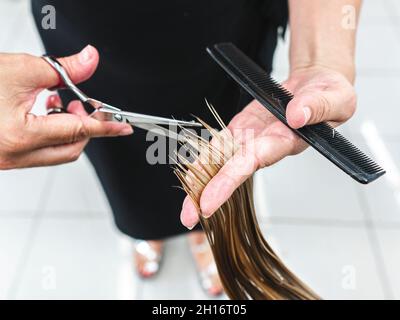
point(320, 94)
point(27, 140)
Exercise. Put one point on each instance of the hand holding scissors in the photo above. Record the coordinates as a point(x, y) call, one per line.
point(106, 112)
point(28, 140)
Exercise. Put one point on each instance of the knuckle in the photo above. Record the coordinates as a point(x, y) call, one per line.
point(22, 141)
point(80, 132)
point(324, 109)
point(105, 130)
point(74, 155)
point(7, 162)
point(351, 105)
point(14, 144)
point(68, 64)
point(22, 62)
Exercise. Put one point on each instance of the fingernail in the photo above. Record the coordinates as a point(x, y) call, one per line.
point(307, 114)
point(53, 101)
point(191, 227)
point(206, 215)
point(126, 131)
point(86, 54)
point(189, 210)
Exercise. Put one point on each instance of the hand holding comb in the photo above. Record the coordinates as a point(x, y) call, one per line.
point(322, 137)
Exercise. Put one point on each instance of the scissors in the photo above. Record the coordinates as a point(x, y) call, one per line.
point(106, 112)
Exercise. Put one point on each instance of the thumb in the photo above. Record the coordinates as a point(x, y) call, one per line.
point(310, 108)
point(79, 67)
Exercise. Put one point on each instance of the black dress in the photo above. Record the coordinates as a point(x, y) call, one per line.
point(153, 60)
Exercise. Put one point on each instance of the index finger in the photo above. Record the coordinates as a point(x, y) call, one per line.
point(264, 152)
point(42, 131)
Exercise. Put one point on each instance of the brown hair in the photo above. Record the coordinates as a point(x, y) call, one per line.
point(247, 265)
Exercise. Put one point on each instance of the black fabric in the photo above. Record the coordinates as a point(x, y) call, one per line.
point(276, 12)
point(153, 60)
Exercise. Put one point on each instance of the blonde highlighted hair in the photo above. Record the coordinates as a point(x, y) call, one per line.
point(247, 265)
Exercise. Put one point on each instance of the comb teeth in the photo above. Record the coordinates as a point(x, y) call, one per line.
point(322, 137)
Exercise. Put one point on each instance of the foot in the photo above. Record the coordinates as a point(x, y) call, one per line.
point(148, 255)
point(206, 267)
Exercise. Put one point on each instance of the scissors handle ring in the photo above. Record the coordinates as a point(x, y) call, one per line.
point(67, 82)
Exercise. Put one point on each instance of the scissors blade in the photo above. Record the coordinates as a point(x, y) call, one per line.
point(96, 104)
point(156, 129)
point(108, 114)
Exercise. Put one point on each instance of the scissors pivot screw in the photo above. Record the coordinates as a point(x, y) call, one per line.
point(118, 117)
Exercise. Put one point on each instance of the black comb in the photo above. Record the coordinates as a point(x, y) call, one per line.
point(322, 137)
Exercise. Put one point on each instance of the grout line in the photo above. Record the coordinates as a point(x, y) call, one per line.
point(377, 72)
point(280, 220)
point(358, 137)
point(376, 247)
point(361, 72)
point(56, 214)
point(312, 222)
point(26, 251)
point(17, 215)
point(386, 225)
point(379, 224)
point(78, 215)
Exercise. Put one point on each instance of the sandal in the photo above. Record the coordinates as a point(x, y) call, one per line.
point(152, 257)
point(208, 275)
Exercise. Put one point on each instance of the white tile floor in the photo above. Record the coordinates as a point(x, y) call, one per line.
point(342, 238)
